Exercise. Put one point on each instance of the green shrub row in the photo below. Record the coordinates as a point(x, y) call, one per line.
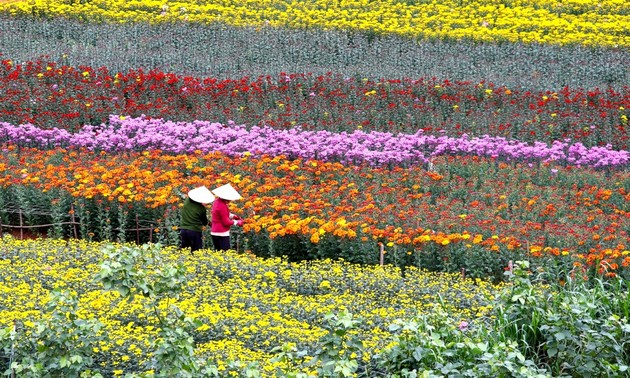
point(224, 51)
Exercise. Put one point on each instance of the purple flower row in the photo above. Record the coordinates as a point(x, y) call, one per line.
point(375, 148)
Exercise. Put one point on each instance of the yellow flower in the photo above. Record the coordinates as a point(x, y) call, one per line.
point(325, 284)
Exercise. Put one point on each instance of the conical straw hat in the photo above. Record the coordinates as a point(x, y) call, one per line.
point(227, 192)
point(201, 195)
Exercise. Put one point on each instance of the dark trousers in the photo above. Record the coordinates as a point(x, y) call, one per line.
point(191, 239)
point(221, 243)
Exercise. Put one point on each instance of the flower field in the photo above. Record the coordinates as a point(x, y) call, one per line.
point(271, 301)
point(578, 22)
point(312, 208)
point(429, 188)
point(49, 95)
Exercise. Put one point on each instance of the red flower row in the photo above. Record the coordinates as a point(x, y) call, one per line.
point(50, 95)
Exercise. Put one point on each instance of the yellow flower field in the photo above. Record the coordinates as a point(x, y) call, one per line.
point(246, 306)
point(584, 22)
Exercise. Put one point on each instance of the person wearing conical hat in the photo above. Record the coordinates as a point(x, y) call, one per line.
point(222, 218)
point(194, 217)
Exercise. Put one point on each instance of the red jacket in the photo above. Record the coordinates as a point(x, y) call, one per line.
point(221, 221)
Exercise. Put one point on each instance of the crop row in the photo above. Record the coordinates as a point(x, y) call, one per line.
point(376, 148)
point(49, 95)
point(113, 310)
point(590, 22)
point(245, 306)
point(469, 213)
point(222, 51)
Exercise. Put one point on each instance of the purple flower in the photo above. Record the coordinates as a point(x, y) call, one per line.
point(374, 148)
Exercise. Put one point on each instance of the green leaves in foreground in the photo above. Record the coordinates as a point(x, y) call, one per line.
point(537, 328)
point(60, 345)
point(135, 270)
point(575, 329)
point(140, 270)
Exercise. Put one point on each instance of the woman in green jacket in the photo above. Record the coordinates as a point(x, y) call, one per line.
point(194, 217)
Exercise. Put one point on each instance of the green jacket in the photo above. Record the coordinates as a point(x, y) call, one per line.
point(193, 215)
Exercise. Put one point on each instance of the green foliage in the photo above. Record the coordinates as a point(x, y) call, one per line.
point(577, 329)
point(250, 51)
point(337, 353)
point(538, 329)
point(141, 270)
point(541, 326)
point(338, 349)
point(135, 270)
point(57, 346)
point(174, 347)
point(521, 310)
point(291, 358)
point(438, 346)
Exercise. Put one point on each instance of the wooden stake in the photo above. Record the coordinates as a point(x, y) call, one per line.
point(382, 248)
point(74, 223)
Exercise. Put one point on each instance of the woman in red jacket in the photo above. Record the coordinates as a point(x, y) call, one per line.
point(222, 218)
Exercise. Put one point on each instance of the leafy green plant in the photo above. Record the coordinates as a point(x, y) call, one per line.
point(575, 328)
point(291, 358)
point(520, 310)
point(586, 334)
point(337, 354)
point(339, 349)
point(439, 346)
point(141, 270)
point(60, 345)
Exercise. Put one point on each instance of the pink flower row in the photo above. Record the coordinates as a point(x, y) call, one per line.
point(374, 148)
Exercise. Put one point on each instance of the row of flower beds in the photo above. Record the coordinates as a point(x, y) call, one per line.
point(111, 310)
point(222, 51)
point(122, 134)
point(592, 22)
point(49, 95)
point(244, 307)
point(470, 212)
